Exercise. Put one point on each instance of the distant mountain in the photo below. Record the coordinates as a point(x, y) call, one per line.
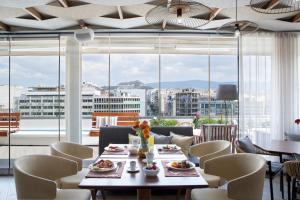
point(188, 84)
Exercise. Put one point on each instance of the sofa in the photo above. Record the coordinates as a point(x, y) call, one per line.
point(119, 134)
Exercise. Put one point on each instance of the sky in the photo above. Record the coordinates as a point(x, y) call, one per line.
point(43, 70)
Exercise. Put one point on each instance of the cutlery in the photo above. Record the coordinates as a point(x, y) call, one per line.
point(119, 164)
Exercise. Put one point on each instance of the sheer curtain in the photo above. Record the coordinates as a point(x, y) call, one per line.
point(269, 85)
point(256, 53)
point(285, 85)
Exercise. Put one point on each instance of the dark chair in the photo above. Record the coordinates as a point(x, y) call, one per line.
point(292, 169)
point(273, 168)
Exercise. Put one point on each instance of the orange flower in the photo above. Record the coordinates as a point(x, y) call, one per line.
point(136, 125)
point(144, 125)
point(146, 133)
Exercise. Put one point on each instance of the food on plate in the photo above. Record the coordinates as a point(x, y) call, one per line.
point(181, 164)
point(169, 147)
point(112, 147)
point(107, 164)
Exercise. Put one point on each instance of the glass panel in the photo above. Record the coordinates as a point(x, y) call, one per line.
point(34, 82)
point(223, 70)
point(4, 105)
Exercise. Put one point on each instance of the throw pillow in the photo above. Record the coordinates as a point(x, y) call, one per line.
point(161, 139)
point(246, 145)
point(182, 141)
point(292, 137)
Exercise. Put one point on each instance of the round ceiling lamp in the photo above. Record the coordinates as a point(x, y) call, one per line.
point(238, 27)
point(275, 6)
point(183, 13)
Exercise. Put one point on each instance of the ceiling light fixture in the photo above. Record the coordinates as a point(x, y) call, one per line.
point(275, 6)
point(178, 13)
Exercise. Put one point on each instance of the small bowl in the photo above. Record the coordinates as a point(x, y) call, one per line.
point(133, 150)
point(151, 172)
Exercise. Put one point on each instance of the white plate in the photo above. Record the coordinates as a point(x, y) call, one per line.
point(177, 148)
point(181, 169)
point(132, 171)
point(96, 169)
point(119, 149)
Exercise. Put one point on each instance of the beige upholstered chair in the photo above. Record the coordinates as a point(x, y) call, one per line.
point(244, 172)
point(77, 153)
point(208, 150)
point(36, 175)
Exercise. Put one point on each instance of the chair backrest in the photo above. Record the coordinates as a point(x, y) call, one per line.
point(124, 118)
point(244, 172)
point(292, 137)
point(218, 132)
point(72, 151)
point(209, 150)
point(293, 168)
point(35, 175)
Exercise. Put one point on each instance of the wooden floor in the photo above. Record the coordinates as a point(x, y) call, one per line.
point(7, 191)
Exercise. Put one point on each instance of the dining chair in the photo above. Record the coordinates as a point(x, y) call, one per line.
point(36, 176)
point(292, 169)
point(274, 168)
point(77, 153)
point(245, 175)
point(208, 150)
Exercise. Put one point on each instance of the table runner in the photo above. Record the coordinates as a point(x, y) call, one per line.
point(176, 173)
point(110, 174)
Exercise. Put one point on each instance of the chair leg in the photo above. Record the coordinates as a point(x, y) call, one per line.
point(281, 184)
point(103, 194)
point(294, 189)
point(270, 180)
point(94, 194)
point(288, 179)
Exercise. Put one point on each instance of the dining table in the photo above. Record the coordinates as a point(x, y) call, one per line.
point(139, 181)
point(280, 148)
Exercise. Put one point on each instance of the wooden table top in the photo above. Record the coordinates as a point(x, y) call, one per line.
point(281, 146)
point(139, 180)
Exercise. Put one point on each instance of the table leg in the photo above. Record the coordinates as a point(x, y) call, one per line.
point(143, 194)
point(288, 178)
point(187, 194)
point(94, 194)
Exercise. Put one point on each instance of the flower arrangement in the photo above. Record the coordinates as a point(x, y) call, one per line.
point(143, 131)
point(297, 121)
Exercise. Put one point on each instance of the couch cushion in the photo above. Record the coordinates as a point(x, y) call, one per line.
point(72, 182)
point(68, 194)
point(209, 194)
point(186, 130)
point(182, 141)
point(161, 139)
point(246, 145)
point(292, 137)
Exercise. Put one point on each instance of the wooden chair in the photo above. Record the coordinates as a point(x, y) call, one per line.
point(219, 132)
point(7, 120)
point(293, 172)
point(124, 119)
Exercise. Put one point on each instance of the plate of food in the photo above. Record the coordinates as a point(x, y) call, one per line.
point(169, 147)
point(103, 166)
point(181, 165)
point(113, 148)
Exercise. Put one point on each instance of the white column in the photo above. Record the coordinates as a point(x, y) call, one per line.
point(73, 90)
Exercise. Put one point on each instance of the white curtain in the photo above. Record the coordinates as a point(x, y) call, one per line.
point(256, 51)
point(285, 85)
point(269, 85)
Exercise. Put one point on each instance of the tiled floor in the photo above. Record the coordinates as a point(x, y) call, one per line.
point(7, 191)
